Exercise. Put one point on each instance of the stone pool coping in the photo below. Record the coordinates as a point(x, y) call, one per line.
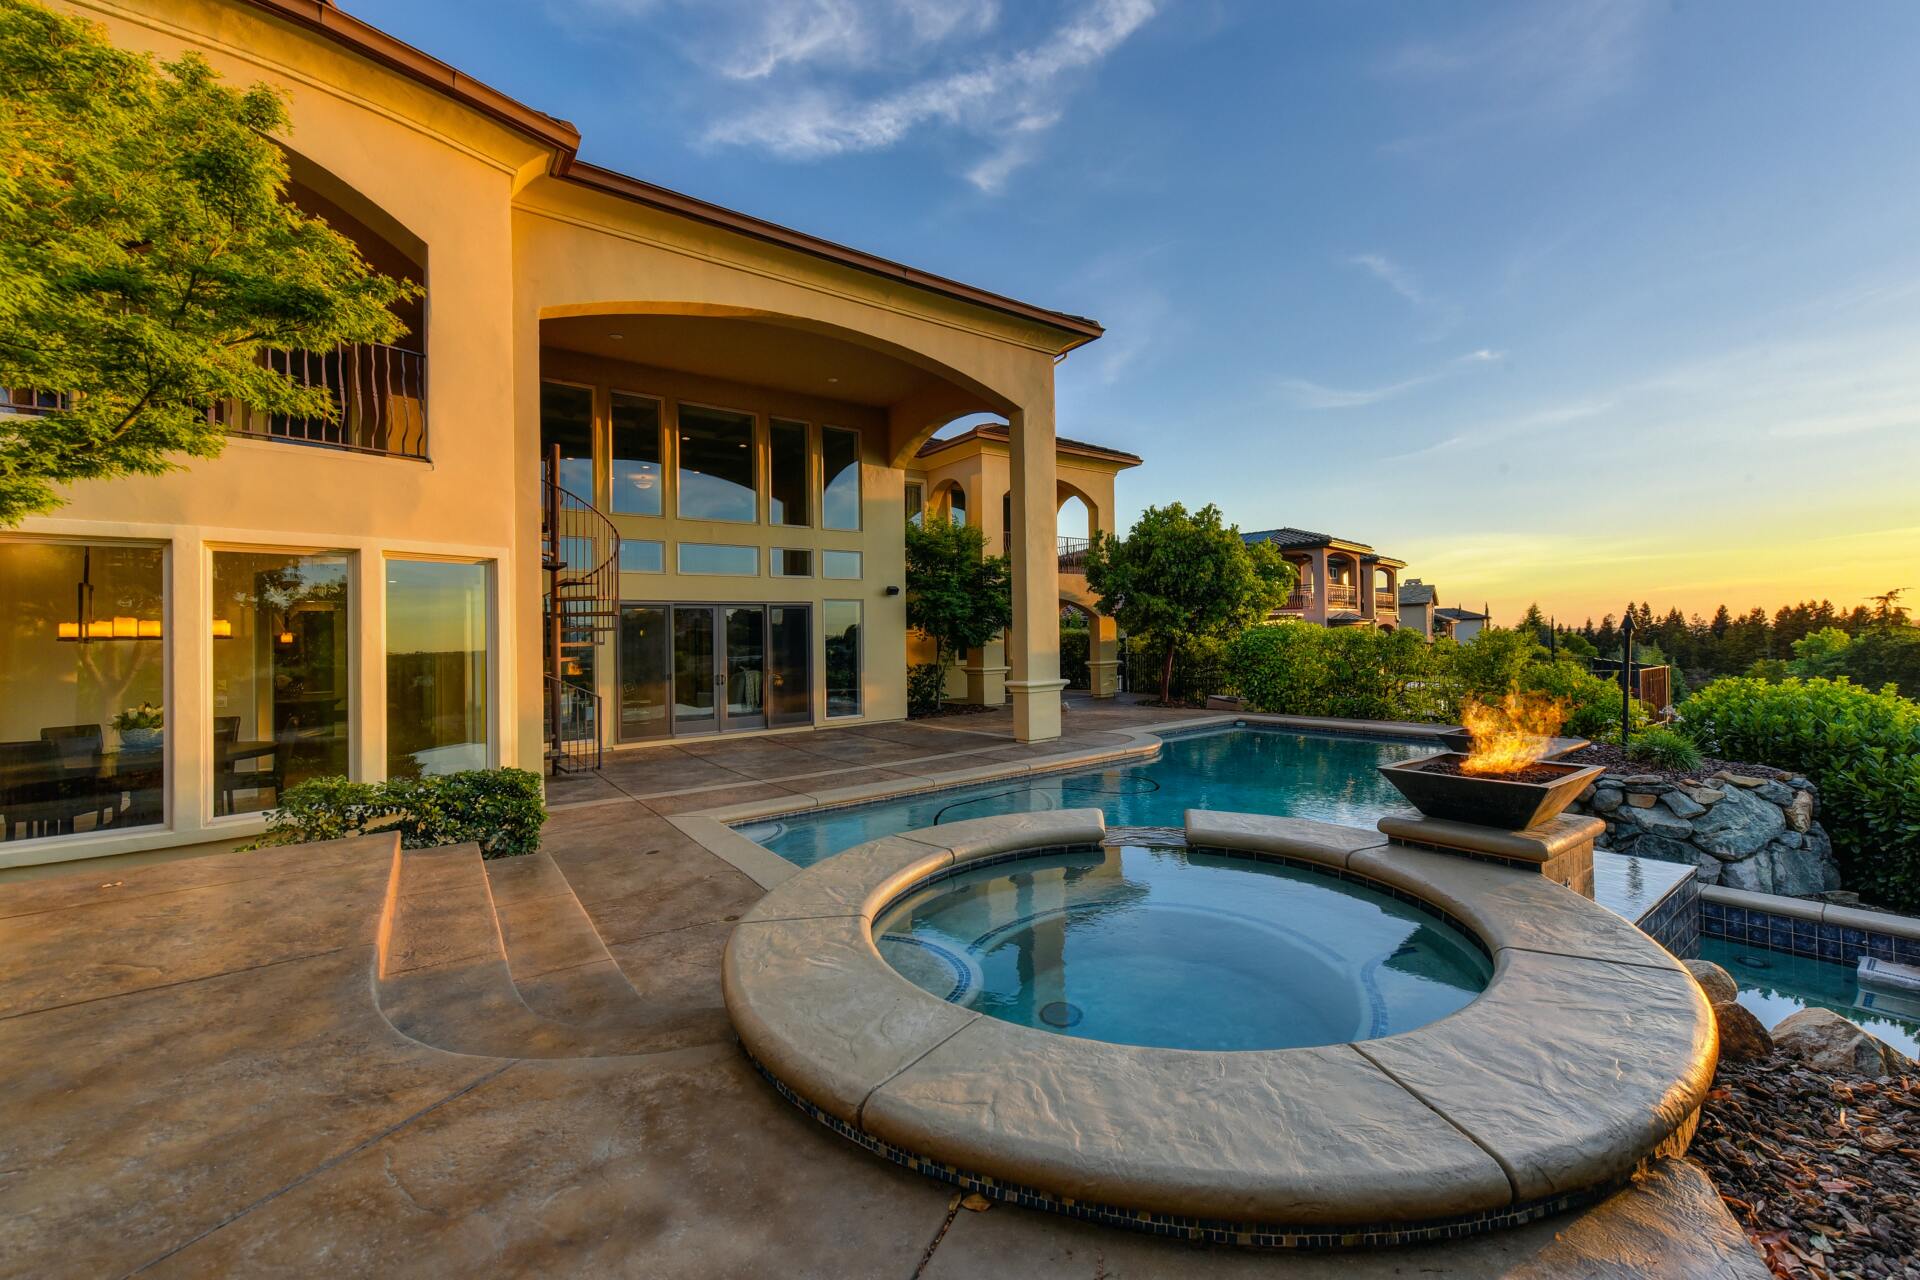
point(713, 829)
point(1589, 1052)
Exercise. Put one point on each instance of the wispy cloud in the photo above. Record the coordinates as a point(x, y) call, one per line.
point(1392, 275)
point(1007, 98)
point(1314, 395)
point(1551, 64)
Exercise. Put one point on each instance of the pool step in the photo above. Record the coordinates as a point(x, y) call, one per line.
point(559, 964)
point(442, 976)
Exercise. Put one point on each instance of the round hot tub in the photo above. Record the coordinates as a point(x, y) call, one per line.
point(1181, 950)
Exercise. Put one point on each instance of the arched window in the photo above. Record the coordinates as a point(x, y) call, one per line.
point(957, 504)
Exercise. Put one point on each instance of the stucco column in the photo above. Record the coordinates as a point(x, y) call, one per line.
point(1363, 576)
point(1103, 656)
point(1034, 644)
point(1322, 586)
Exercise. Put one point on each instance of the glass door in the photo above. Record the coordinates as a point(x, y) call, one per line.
point(789, 665)
point(646, 672)
point(746, 668)
point(695, 670)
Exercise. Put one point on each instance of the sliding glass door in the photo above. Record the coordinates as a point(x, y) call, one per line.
point(695, 670)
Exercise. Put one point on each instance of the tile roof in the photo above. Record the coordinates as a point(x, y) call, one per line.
point(1286, 536)
point(1460, 615)
point(1414, 591)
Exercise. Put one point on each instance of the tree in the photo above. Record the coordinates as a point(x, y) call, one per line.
point(1533, 620)
point(1180, 574)
point(957, 595)
point(148, 256)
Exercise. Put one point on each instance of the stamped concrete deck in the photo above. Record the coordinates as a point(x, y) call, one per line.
point(200, 1075)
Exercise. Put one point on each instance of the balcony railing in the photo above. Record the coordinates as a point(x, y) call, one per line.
point(1343, 595)
point(1298, 601)
point(1386, 602)
point(378, 391)
point(1073, 554)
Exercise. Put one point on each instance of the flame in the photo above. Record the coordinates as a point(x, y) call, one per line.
point(1512, 734)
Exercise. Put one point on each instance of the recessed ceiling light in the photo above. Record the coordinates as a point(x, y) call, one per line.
point(833, 379)
point(616, 336)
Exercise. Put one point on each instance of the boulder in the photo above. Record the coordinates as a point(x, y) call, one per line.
point(1607, 799)
point(1708, 796)
point(1715, 981)
point(1737, 779)
point(1753, 874)
point(1828, 1042)
point(1682, 804)
point(1739, 826)
point(1706, 868)
point(1795, 872)
point(1800, 811)
point(1659, 821)
point(1642, 799)
point(1777, 792)
point(1742, 1036)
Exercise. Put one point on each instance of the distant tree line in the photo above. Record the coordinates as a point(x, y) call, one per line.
point(1872, 644)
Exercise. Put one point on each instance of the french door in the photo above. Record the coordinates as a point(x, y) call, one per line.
point(689, 669)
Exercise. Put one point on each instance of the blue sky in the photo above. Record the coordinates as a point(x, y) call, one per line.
point(1575, 302)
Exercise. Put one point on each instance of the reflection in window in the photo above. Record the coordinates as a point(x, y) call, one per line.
point(916, 504)
point(436, 667)
point(791, 562)
point(787, 473)
point(280, 695)
point(839, 564)
point(716, 465)
point(645, 669)
point(82, 688)
point(642, 555)
point(840, 478)
point(789, 665)
point(717, 557)
point(635, 478)
point(566, 419)
point(840, 620)
point(957, 505)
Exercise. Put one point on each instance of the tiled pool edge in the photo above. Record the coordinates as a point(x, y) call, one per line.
point(1810, 930)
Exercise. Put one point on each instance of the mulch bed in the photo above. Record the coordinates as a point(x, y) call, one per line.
point(1616, 761)
point(1532, 773)
point(956, 709)
point(1822, 1170)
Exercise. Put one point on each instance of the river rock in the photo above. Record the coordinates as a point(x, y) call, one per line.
point(1607, 799)
point(1715, 981)
point(1682, 804)
point(1742, 1036)
point(1828, 1042)
point(1739, 826)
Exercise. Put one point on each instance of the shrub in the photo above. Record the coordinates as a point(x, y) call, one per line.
point(1075, 647)
point(1296, 668)
point(1486, 668)
point(926, 688)
point(1592, 702)
point(1666, 748)
point(1200, 666)
point(500, 810)
point(1860, 747)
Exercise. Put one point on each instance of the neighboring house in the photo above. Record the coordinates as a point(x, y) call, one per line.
point(1459, 624)
point(738, 403)
point(968, 478)
point(1417, 603)
point(1342, 583)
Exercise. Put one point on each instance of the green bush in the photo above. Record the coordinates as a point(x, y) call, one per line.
point(498, 809)
point(1860, 747)
point(1667, 748)
point(1200, 666)
point(926, 688)
point(1296, 668)
point(1075, 646)
point(1592, 702)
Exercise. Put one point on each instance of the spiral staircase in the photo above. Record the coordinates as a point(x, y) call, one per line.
point(580, 554)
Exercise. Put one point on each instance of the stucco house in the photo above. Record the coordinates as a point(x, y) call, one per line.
point(1342, 583)
point(737, 410)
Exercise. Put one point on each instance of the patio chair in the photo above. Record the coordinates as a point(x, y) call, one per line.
point(80, 748)
point(228, 777)
point(32, 796)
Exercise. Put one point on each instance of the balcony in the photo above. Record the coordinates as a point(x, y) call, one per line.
point(1386, 602)
point(1298, 601)
point(380, 393)
point(1073, 555)
point(1343, 595)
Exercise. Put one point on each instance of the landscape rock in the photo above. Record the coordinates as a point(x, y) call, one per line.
point(1777, 792)
point(1683, 804)
point(1642, 799)
point(1742, 1037)
point(1658, 821)
point(1828, 1042)
point(1738, 779)
point(1708, 796)
point(1739, 826)
point(1800, 811)
point(1715, 981)
point(1607, 799)
point(1756, 874)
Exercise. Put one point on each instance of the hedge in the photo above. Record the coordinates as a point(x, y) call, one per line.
point(500, 810)
point(1859, 746)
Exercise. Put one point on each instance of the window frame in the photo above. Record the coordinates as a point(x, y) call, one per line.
point(756, 447)
point(668, 463)
point(859, 479)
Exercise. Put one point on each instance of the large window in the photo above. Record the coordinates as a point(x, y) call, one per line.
point(716, 465)
point(646, 669)
point(840, 478)
point(82, 688)
point(789, 665)
point(436, 667)
point(642, 555)
point(281, 643)
point(840, 620)
point(787, 486)
point(790, 562)
point(635, 478)
point(566, 419)
point(719, 558)
point(840, 564)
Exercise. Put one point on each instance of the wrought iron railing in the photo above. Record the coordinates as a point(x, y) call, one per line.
point(1386, 602)
point(1343, 595)
point(576, 747)
point(580, 554)
point(1073, 554)
point(379, 394)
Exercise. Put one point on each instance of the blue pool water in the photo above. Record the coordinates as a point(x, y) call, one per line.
point(1774, 984)
point(1182, 950)
point(1299, 775)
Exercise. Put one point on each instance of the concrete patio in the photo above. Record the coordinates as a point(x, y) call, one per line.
point(206, 1073)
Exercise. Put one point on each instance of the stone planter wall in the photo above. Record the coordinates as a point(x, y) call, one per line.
point(1746, 832)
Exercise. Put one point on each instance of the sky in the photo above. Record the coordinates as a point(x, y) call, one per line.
point(1576, 302)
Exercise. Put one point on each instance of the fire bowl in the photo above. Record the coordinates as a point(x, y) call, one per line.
point(1457, 740)
point(1488, 800)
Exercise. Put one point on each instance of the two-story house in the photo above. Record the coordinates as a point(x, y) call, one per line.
point(1342, 583)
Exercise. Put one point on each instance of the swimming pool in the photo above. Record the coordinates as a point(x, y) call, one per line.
point(1774, 984)
point(1235, 770)
point(1181, 950)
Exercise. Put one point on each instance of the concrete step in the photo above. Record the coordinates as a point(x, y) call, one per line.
point(442, 976)
point(560, 966)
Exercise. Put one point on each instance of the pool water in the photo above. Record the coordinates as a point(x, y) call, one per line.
point(1774, 984)
point(1299, 775)
point(1179, 949)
